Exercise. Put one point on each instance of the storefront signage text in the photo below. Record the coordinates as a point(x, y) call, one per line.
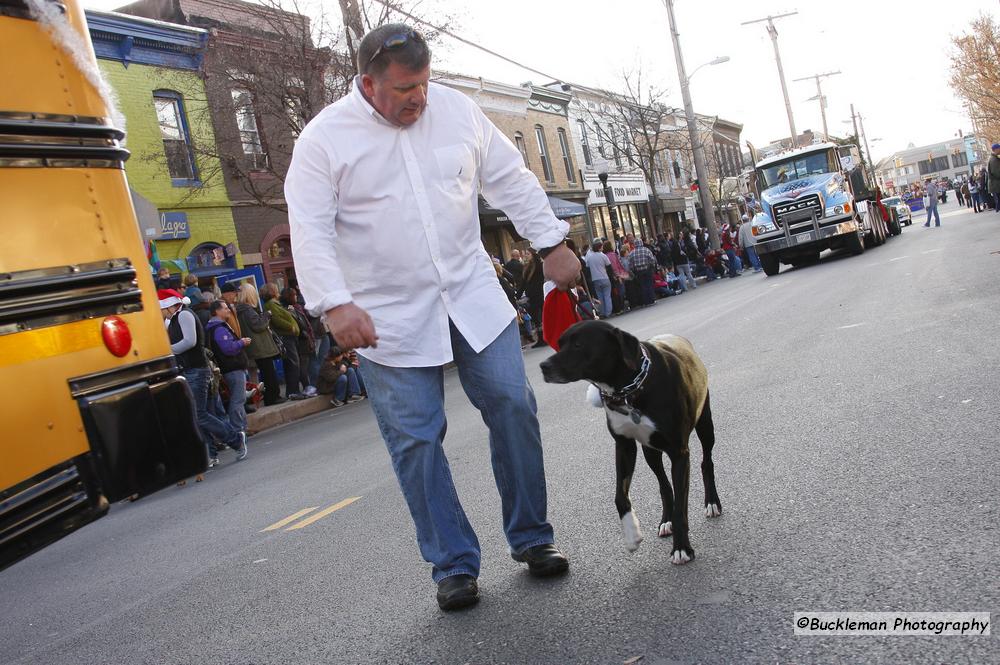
point(174, 226)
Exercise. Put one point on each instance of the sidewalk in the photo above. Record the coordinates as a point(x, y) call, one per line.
point(266, 417)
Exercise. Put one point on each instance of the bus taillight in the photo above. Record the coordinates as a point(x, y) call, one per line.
point(116, 335)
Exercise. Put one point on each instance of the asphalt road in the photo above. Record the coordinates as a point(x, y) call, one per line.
point(855, 405)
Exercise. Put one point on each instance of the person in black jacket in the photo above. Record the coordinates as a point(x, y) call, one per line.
point(187, 342)
point(532, 286)
point(681, 263)
point(515, 268)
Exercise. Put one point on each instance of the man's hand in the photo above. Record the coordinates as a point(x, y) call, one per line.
point(561, 266)
point(351, 327)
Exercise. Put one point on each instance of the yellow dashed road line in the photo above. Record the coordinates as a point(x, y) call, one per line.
point(289, 519)
point(323, 513)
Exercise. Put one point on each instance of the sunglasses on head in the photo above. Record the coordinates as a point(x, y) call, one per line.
point(396, 41)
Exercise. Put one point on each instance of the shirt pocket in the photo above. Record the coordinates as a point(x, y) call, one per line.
point(456, 169)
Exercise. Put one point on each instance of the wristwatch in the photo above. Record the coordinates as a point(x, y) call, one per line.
point(542, 253)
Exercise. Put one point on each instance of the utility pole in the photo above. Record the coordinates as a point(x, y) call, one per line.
point(854, 119)
point(860, 136)
point(696, 143)
point(864, 137)
point(820, 97)
point(771, 30)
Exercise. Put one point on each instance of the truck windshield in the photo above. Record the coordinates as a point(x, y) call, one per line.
point(799, 167)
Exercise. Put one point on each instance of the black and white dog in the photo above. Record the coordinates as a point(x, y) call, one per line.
point(653, 392)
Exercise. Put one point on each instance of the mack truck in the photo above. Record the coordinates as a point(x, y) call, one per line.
point(814, 198)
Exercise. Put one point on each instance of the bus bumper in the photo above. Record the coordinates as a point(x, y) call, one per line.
point(143, 436)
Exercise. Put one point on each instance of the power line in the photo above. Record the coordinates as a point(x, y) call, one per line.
point(444, 31)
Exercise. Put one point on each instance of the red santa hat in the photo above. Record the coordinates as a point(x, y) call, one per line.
point(169, 298)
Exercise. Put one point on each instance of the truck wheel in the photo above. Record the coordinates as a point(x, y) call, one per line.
point(856, 244)
point(896, 227)
point(769, 262)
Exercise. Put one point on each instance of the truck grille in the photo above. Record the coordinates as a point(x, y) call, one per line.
point(798, 211)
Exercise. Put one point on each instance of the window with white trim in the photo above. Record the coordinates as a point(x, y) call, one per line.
point(246, 122)
point(585, 144)
point(543, 153)
point(567, 161)
point(522, 148)
point(176, 138)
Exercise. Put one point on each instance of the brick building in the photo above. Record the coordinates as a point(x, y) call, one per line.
point(154, 69)
point(536, 121)
point(264, 80)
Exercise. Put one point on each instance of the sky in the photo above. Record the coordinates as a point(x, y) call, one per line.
point(893, 56)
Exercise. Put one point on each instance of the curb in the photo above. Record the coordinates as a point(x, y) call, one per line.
point(266, 417)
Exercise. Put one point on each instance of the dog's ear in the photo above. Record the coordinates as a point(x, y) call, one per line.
point(629, 348)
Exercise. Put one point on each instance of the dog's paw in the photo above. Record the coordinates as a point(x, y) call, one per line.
point(681, 556)
point(594, 396)
point(713, 510)
point(630, 532)
point(666, 529)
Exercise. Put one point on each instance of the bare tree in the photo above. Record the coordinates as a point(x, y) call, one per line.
point(975, 72)
point(633, 126)
point(268, 77)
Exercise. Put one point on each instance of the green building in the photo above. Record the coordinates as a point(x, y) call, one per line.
point(176, 177)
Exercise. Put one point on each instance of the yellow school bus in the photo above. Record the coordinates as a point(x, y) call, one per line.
point(92, 409)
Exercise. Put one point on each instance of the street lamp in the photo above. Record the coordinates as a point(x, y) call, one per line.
point(718, 61)
point(699, 152)
point(602, 166)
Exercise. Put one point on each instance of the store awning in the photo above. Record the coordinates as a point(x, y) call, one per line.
point(563, 208)
point(493, 218)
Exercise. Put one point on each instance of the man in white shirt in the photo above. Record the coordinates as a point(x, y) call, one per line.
point(382, 202)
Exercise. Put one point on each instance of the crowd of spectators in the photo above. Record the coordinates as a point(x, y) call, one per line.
point(631, 274)
point(232, 344)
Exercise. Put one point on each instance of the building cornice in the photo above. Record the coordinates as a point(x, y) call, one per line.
point(130, 39)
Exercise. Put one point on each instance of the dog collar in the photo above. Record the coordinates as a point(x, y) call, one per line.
point(621, 397)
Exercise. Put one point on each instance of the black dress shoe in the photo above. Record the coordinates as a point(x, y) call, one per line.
point(543, 560)
point(457, 591)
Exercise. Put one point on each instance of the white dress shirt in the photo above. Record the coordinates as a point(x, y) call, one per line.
point(387, 217)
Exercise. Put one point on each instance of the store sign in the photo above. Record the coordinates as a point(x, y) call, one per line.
point(631, 190)
point(174, 226)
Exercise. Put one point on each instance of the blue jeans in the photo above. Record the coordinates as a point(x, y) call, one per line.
point(685, 277)
point(603, 293)
point(322, 349)
point(409, 406)
point(237, 382)
point(752, 255)
point(734, 265)
point(211, 427)
point(348, 384)
point(937, 217)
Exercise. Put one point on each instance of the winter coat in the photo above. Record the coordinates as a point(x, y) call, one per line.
point(226, 347)
point(993, 169)
point(282, 321)
point(255, 325)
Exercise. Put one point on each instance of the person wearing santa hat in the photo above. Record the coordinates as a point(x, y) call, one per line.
point(187, 342)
